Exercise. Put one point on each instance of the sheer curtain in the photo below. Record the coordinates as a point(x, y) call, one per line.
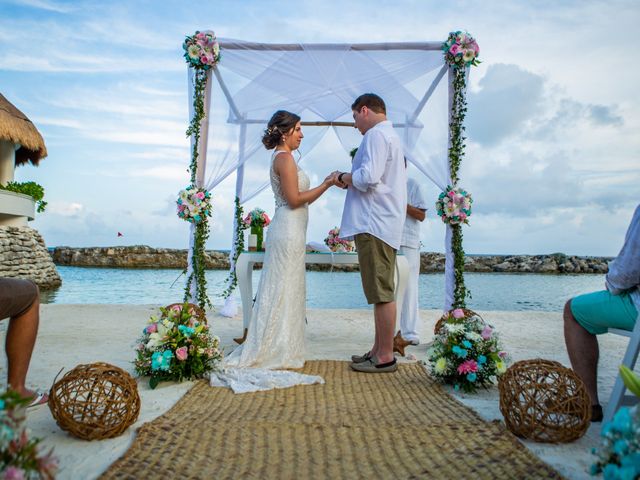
point(319, 82)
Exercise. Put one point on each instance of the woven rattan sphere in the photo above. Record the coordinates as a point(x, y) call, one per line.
point(544, 401)
point(95, 401)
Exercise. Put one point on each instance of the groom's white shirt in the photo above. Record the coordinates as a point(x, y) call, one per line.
point(377, 201)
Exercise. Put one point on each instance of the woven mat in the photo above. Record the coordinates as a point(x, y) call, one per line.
point(400, 425)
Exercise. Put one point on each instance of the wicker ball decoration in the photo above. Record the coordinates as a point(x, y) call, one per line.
point(95, 401)
point(467, 314)
point(544, 401)
point(199, 313)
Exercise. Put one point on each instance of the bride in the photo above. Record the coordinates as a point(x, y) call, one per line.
point(275, 338)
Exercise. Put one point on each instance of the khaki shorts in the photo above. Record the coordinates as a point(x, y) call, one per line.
point(377, 268)
point(16, 296)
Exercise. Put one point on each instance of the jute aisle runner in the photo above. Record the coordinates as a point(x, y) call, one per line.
point(357, 425)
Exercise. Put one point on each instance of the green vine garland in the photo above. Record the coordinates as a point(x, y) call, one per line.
point(232, 279)
point(456, 153)
point(201, 234)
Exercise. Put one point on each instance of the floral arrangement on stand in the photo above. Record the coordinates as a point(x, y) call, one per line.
point(454, 206)
point(466, 351)
point(619, 452)
point(176, 346)
point(201, 52)
point(337, 244)
point(257, 219)
point(460, 52)
point(20, 456)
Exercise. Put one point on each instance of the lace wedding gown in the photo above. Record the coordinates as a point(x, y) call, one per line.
point(275, 338)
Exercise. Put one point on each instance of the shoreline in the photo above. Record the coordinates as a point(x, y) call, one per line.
point(142, 256)
point(74, 334)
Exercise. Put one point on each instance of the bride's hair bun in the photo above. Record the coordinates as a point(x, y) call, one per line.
point(281, 123)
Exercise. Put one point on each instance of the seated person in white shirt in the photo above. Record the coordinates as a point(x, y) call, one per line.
point(410, 248)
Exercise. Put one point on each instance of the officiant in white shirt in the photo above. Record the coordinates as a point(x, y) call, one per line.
point(410, 248)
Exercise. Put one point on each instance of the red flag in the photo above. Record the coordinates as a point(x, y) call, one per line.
point(119, 234)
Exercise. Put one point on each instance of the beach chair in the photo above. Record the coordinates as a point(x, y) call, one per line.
point(618, 397)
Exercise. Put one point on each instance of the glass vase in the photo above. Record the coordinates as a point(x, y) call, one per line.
point(258, 232)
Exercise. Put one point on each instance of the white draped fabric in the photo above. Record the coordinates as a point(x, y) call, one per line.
point(319, 82)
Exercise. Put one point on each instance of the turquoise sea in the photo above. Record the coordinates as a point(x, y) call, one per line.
point(491, 291)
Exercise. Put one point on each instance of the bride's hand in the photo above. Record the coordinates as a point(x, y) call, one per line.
point(332, 179)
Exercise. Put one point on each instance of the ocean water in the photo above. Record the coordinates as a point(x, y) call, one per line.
point(490, 291)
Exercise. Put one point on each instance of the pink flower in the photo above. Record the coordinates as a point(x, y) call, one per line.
point(200, 195)
point(502, 354)
point(204, 60)
point(182, 353)
point(468, 366)
point(13, 473)
point(153, 328)
point(486, 332)
point(455, 49)
point(458, 313)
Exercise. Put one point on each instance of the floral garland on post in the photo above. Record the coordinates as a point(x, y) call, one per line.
point(232, 279)
point(201, 52)
point(460, 51)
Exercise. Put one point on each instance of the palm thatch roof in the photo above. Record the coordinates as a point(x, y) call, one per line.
point(17, 128)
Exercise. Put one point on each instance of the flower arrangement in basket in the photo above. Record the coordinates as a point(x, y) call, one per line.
point(257, 219)
point(454, 206)
point(466, 351)
point(194, 204)
point(176, 346)
point(461, 49)
point(20, 457)
point(337, 244)
point(619, 452)
point(201, 50)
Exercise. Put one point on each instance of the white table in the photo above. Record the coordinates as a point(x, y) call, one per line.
point(246, 261)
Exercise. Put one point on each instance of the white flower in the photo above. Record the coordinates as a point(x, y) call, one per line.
point(194, 52)
point(473, 336)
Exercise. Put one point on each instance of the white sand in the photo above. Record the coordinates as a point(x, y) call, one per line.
point(74, 334)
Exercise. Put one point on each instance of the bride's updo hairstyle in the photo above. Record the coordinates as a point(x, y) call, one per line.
point(281, 123)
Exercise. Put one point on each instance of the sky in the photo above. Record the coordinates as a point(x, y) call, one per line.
point(552, 156)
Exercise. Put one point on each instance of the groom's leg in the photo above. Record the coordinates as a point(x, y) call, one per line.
point(385, 316)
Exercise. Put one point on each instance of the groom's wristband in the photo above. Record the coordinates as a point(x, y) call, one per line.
point(340, 177)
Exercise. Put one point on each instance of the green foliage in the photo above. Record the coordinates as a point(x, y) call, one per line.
point(202, 228)
point(34, 190)
point(456, 153)
point(458, 114)
point(232, 279)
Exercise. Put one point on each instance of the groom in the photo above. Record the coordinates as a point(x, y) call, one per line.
point(374, 214)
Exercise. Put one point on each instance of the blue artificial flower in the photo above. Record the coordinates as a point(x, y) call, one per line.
point(1, 404)
point(466, 343)
point(631, 460)
point(186, 331)
point(610, 471)
point(459, 352)
point(156, 361)
point(621, 446)
point(482, 359)
point(622, 421)
point(627, 473)
point(471, 377)
point(456, 387)
point(594, 470)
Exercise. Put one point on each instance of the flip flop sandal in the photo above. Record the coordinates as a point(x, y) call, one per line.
point(40, 398)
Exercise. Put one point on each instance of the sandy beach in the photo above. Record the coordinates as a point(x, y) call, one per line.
point(73, 334)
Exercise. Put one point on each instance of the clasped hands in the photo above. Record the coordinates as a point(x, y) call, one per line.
point(332, 179)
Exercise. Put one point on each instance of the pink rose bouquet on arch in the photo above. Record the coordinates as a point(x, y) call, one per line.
point(193, 204)
point(201, 50)
point(454, 206)
point(461, 49)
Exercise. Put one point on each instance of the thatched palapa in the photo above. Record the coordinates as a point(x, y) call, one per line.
point(17, 128)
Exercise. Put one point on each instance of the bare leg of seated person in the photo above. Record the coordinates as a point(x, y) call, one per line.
point(584, 352)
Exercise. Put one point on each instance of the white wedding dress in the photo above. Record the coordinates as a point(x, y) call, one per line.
point(275, 338)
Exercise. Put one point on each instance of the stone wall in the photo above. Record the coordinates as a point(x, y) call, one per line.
point(23, 254)
point(147, 257)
